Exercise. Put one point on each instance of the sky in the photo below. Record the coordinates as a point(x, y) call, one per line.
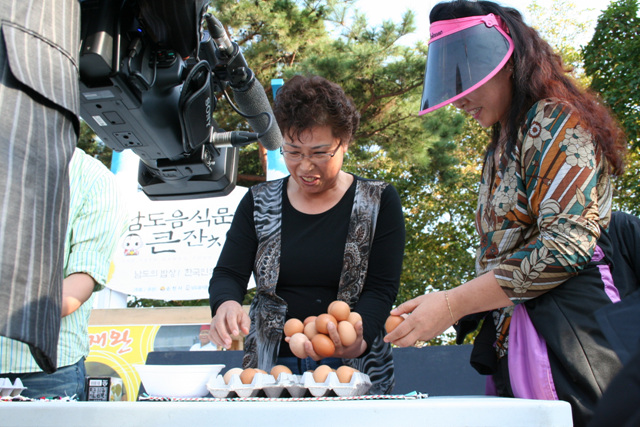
point(379, 10)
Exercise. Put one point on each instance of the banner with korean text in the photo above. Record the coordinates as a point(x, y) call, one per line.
point(170, 248)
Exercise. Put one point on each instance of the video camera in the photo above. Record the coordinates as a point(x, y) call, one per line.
point(149, 74)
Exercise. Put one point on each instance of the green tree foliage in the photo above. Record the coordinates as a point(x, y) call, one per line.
point(283, 38)
point(627, 194)
point(562, 25)
point(611, 60)
point(90, 144)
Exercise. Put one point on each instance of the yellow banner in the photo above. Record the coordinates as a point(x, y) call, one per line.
point(114, 351)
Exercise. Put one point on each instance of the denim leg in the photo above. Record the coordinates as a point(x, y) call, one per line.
point(65, 382)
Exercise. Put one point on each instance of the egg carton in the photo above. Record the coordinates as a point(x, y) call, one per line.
point(359, 385)
point(10, 390)
point(296, 386)
point(218, 388)
point(289, 382)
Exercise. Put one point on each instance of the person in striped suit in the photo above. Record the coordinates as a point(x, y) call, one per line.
point(97, 219)
point(39, 127)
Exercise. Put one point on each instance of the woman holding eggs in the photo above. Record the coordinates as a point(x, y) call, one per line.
point(318, 235)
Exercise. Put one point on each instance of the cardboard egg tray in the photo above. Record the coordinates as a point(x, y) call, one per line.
point(10, 390)
point(294, 385)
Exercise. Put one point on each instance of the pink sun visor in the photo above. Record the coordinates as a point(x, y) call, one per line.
point(463, 55)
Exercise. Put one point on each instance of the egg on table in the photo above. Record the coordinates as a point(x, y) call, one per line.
point(321, 373)
point(247, 375)
point(280, 369)
point(230, 373)
point(345, 373)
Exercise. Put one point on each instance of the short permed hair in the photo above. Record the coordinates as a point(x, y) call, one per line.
point(303, 103)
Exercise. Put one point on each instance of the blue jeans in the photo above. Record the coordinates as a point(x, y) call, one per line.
point(300, 366)
point(68, 381)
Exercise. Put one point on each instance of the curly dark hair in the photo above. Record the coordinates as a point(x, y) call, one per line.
point(540, 73)
point(305, 102)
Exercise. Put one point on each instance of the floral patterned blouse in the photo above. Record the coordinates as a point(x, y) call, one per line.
point(540, 212)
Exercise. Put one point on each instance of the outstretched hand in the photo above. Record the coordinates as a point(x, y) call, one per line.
point(230, 320)
point(429, 315)
point(426, 317)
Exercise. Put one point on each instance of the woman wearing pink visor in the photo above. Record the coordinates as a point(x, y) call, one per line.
point(544, 205)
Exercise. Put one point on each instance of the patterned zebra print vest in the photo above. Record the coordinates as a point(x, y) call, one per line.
point(268, 310)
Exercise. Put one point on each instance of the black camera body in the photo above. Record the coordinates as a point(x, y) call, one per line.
point(142, 87)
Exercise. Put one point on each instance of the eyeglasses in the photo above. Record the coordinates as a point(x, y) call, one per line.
point(296, 156)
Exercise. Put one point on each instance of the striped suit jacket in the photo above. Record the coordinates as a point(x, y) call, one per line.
point(39, 126)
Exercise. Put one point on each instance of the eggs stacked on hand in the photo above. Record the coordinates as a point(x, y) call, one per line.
point(314, 329)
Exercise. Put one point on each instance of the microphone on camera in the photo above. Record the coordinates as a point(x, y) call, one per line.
point(253, 101)
point(248, 93)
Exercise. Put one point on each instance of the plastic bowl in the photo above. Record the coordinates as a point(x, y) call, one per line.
point(177, 380)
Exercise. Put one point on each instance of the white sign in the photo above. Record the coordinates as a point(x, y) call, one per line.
point(170, 248)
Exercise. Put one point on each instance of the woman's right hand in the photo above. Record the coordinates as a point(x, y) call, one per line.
point(426, 317)
point(230, 320)
point(431, 314)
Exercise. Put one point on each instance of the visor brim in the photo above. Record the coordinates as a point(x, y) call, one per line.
point(459, 63)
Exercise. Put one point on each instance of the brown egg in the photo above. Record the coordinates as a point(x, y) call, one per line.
point(310, 330)
point(279, 369)
point(296, 344)
point(347, 333)
point(392, 322)
point(322, 321)
point(231, 372)
point(247, 375)
point(293, 326)
point(345, 373)
point(323, 345)
point(354, 318)
point(340, 310)
point(309, 319)
point(321, 373)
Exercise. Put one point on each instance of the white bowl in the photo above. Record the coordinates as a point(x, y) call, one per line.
point(177, 380)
